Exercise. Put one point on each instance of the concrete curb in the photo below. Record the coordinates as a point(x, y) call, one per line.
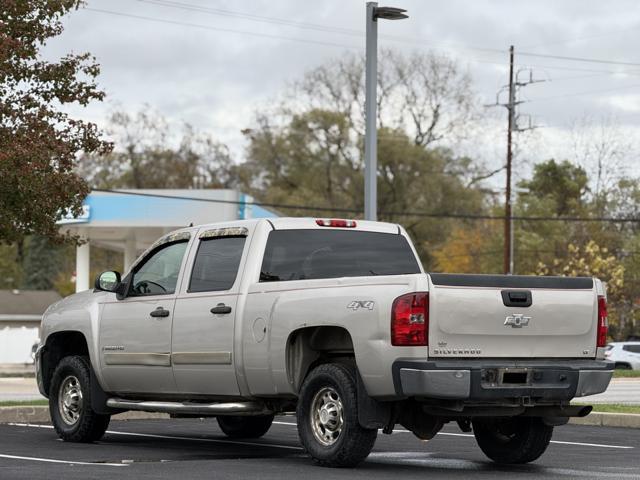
point(602, 419)
point(40, 414)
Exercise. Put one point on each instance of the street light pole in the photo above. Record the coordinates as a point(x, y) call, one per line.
point(371, 83)
point(371, 133)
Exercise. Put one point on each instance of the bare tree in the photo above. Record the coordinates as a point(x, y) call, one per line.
point(424, 94)
point(150, 152)
point(602, 148)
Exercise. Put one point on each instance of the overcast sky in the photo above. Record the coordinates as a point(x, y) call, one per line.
point(217, 70)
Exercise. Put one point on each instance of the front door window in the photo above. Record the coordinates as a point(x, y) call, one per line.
point(158, 274)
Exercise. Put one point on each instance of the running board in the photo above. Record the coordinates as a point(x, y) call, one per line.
point(191, 408)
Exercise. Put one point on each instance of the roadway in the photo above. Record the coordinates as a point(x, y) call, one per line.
point(196, 449)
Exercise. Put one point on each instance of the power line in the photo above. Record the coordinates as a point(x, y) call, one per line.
point(219, 29)
point(578, 69)
point(255, 18)
point(346, 31)
point(589, 92)
point(461, 216)
point(585, 37)
point(579, 59)
point(352, 47)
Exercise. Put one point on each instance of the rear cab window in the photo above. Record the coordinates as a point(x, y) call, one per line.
point(316, 254)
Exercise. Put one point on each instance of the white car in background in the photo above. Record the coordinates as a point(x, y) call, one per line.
point(626, 355)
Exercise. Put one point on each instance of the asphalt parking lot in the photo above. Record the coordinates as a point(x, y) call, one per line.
point(196, 449)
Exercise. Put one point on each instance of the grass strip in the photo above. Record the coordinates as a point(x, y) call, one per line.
point(24, 403)
point(619, 373)
point(613, 408)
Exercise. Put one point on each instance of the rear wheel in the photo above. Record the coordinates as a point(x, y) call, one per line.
point(70, 402)
point(622, 366)
point(512, 440)
point(327, 416)
point(245, 427)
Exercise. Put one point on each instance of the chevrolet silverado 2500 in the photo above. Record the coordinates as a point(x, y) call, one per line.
point(334, 320)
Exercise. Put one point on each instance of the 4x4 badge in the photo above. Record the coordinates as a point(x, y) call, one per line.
point(517, 320)
point(358, 304)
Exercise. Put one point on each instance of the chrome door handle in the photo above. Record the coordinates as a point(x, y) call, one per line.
point(221, 308)
point(160, 312)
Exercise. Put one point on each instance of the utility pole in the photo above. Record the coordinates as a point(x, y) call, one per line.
point(371, 83)
point(508, 218)
point(512, 119)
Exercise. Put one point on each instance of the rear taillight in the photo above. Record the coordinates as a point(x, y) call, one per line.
point(410, 320)
point(603, 323)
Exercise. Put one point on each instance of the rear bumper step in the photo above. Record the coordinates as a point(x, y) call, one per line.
point(191, 408)
point(487, 381)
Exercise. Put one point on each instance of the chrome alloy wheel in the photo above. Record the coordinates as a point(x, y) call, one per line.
point(70, 400)
point(327, 416)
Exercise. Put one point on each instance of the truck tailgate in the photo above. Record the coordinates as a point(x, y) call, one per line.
point(512, 316)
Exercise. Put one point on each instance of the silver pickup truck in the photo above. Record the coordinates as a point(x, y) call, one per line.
point(334, 320)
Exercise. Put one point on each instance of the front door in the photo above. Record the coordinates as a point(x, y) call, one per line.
point(203, 329)
point(135, 333)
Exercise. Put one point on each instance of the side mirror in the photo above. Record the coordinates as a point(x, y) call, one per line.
point(107, 281)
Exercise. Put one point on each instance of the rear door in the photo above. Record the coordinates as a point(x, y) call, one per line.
point(511, 316)
point(202, 349)
point(632, 354)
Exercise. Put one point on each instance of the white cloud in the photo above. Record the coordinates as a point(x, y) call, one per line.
point(626, 103)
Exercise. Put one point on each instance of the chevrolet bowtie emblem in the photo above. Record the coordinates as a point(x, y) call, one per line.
point(517, 320)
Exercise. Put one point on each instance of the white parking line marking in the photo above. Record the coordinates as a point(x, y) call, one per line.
point(66, 462)
point(590, 444)
point(213, 440)
point(31, 425)
point(172, 437)
point(599, 445)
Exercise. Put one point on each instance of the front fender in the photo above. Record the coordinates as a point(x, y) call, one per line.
point(76, 313)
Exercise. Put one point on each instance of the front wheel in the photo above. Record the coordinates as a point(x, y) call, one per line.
point(327, 415)
point(512, 440)
point(70, 402)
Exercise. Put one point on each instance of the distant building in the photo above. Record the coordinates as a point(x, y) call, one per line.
point(20, 314)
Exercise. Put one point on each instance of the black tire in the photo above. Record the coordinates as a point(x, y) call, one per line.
point(77, 423)
point(623, 366)
point(349, 444)
point(512, 440)
point(245, 427)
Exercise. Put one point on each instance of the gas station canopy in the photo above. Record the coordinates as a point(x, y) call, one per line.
point(131, 220)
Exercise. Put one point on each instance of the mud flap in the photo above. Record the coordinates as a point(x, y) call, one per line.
point(99, 398)
point(371, 413)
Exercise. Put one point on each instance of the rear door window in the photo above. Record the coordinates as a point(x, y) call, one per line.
point(216, 265)
point(314, 254)
point(632, 348)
